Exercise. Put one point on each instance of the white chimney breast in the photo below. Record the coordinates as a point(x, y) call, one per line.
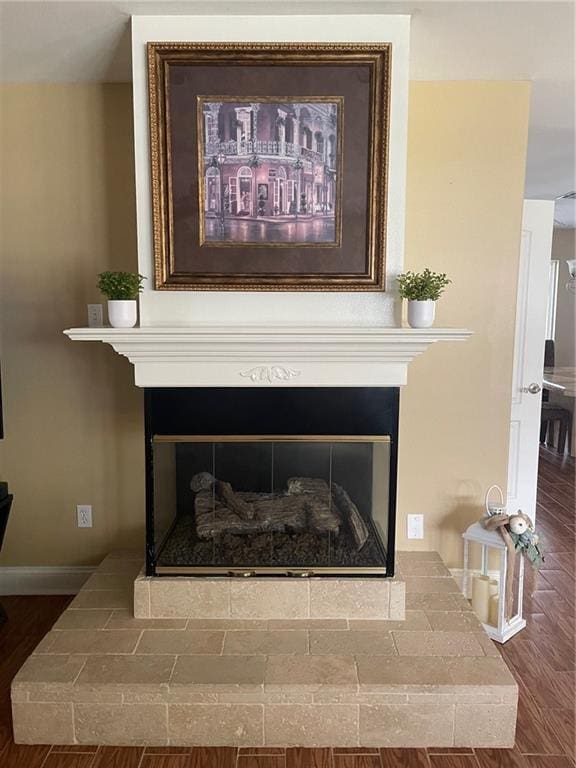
point(176, 308)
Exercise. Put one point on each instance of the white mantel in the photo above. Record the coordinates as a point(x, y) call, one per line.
point(232, 356)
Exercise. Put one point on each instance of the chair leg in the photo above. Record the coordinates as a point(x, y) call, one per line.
point(543, 430)
point(561, 436)
point(550, 433)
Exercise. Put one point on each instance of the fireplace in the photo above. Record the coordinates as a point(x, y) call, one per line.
point(290, 482)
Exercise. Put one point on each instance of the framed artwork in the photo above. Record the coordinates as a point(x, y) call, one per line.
point(269, 165)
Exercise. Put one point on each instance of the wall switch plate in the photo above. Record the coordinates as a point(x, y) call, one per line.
point(84, 512)
point(415, 527)
point(95, 316)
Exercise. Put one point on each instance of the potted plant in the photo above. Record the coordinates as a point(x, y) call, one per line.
point(121, 289)
point(422, 289)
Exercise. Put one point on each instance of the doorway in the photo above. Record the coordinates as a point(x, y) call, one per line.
point(528, 361)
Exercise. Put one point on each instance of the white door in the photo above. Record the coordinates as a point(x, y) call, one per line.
point(531, 306)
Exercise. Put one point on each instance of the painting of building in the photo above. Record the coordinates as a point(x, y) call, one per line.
point(270, 171)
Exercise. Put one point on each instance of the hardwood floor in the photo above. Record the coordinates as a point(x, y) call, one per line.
point(541, 658)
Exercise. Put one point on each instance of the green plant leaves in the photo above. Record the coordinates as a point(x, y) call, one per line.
point(120, 286)
point(422, 286)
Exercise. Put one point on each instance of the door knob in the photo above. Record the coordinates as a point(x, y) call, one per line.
point(533, 388)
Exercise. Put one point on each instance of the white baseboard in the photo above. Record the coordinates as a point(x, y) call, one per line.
point(43, 580)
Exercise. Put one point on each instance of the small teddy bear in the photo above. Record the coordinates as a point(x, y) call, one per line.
point(521, 530)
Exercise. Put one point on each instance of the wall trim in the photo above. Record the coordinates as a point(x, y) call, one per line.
point(43, 580)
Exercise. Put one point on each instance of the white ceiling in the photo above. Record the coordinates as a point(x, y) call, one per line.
point(69, 41)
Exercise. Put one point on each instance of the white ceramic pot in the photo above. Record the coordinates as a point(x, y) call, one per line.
point(421, 313)
point(123, 313)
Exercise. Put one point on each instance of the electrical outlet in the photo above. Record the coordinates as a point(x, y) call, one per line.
point(84, 512)
point(95, 316)
point(415, 526)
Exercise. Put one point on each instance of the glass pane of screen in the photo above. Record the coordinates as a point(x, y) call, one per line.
point(273, 503)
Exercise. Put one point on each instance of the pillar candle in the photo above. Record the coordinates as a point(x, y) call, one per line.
point(493, 610)
point(481, 597)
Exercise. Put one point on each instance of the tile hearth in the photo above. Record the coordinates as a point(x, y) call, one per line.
point(103, 677)
point(269, 598)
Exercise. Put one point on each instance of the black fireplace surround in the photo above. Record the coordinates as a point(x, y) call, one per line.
point(271, 482)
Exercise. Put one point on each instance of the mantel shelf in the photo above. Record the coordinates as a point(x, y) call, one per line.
point(236, 356)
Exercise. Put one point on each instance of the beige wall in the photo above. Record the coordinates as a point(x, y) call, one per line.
point(73, 416)
point(467, 148)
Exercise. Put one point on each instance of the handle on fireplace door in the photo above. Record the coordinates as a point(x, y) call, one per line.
point(533, 389)
point(245, 574)
point(248, 574)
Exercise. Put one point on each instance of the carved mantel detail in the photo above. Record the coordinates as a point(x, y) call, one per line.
point(269, 373)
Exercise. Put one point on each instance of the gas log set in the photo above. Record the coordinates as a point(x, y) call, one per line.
point(308, 504)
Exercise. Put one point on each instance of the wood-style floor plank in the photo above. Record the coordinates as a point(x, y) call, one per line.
point(68, 760)
point(306, 757)
point(562, 723)
point(118, 757)
point(261, 761)
point(23, 756)
point(404, 758)
point(534, 733)
point(500, 758)
point(29, 615)
point(165, 761)
point(538, 761)
point(453, 761)
point(557, 650)
point(5, 732)
point(212, 757)
point(357, 761)
point(561, 561)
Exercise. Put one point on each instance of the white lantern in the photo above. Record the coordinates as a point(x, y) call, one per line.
point(504, 627)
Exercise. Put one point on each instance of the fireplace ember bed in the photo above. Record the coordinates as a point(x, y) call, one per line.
point(292, 482)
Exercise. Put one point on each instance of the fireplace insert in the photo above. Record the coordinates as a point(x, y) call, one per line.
point(290, 482)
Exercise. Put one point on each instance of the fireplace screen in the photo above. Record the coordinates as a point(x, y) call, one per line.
point(270, 505)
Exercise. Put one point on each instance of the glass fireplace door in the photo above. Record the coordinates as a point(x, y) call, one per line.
point(270, 505)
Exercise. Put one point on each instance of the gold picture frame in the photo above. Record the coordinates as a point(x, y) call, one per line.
point(314, 218)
